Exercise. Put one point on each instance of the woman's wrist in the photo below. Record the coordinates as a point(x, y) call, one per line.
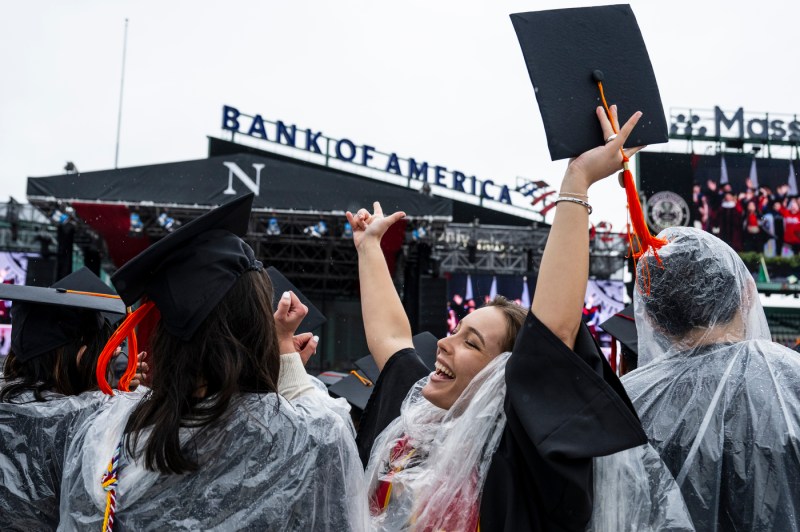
point(286, 345)
point(369, 244)
point(575, 183)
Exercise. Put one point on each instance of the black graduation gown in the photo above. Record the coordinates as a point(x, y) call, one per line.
point(563, 407)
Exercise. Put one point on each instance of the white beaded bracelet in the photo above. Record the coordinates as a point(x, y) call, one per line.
point(574, 200)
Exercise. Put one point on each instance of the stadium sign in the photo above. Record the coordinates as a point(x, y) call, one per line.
point(347, 151)
point(734, 125)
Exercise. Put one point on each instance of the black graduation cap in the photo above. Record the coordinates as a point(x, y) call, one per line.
point(43, 319)
point(567, 51)
point(189, 271)
point(622, 326)
point(354, 390)
point(357, 392)
point(425, 345)
point(281, 284)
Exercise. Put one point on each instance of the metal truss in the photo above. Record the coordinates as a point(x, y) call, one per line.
point(23, 228)
point(469, 248)
point(327, 264)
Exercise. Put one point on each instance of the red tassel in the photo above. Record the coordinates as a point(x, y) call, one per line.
point(125, 329)
point(133, 361)
point(641, 232)
point(640, 240)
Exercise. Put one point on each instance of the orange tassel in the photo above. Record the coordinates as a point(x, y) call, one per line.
point(125, 329)
point(133, 361)
point(640, 239)
point(644, 238)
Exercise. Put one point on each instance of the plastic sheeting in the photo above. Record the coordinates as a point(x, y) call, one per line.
point(444, 454)
point(437, 460)
point(33, 441)
point(718, 401)
point(274, 465)
point(635, 492)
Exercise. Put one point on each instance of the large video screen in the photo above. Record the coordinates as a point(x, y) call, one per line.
point(13, 269)
point(751, 203)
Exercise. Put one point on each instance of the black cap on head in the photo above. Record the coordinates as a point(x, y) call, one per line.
point(567, 51)
point(281, 284)
point(188, 272)
point(354, 390)
point(622, 326)
point(44, 319)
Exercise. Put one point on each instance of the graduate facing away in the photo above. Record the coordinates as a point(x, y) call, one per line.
point(232, 435)
point(48, 385)
point(718, 399)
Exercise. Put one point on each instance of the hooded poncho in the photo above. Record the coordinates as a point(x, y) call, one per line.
point(33, 441)
point(272, 465)
point(718, 400)
point(428, 467)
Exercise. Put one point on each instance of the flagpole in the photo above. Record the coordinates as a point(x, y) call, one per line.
point(121, 86)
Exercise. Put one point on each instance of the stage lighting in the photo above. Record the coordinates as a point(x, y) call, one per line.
point(348, 230)
point(316, 231)
point(166, 222)
point(419, 233)
point(136, 223)
point(273, 229)
point(59, 218)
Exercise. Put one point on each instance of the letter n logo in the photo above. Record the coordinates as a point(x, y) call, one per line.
point(241, 175)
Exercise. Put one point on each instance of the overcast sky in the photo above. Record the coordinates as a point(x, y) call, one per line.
point(440, 80)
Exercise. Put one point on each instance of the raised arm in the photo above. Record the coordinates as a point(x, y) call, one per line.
point(563, 274)
point(385, 320)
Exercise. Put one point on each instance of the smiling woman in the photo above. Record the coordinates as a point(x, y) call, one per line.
point(503, 434)
point(463, 354)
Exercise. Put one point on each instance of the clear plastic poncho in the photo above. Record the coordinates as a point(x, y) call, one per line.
point(33, 442)
point(437, 460)
point(443, 456)
point(274, 465)
point(718, 400)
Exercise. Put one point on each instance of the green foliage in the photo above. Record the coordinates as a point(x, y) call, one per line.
point(752, 260)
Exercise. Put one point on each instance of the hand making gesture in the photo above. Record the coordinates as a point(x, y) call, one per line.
point(602, 161)
point(288, 316)
point(371, 227)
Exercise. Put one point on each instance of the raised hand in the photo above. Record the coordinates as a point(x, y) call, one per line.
point(602, 161)
point(288, 317)
point(371, 227)
point(305, 344)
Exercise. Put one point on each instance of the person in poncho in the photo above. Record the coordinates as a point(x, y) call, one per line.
point(510, 431)
point(232, 435)
point(717, 399)
point(48, 385)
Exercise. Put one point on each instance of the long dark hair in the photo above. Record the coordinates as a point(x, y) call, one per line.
point(58, 370)
point(195, 383)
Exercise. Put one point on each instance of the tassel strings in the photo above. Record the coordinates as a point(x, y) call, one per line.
point(640, 240)
point(126, 329)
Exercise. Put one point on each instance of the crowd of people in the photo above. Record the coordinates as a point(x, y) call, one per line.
point(758, 219)
point(522, 425)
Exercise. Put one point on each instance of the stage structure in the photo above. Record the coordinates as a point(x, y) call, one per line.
point(456, 223)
